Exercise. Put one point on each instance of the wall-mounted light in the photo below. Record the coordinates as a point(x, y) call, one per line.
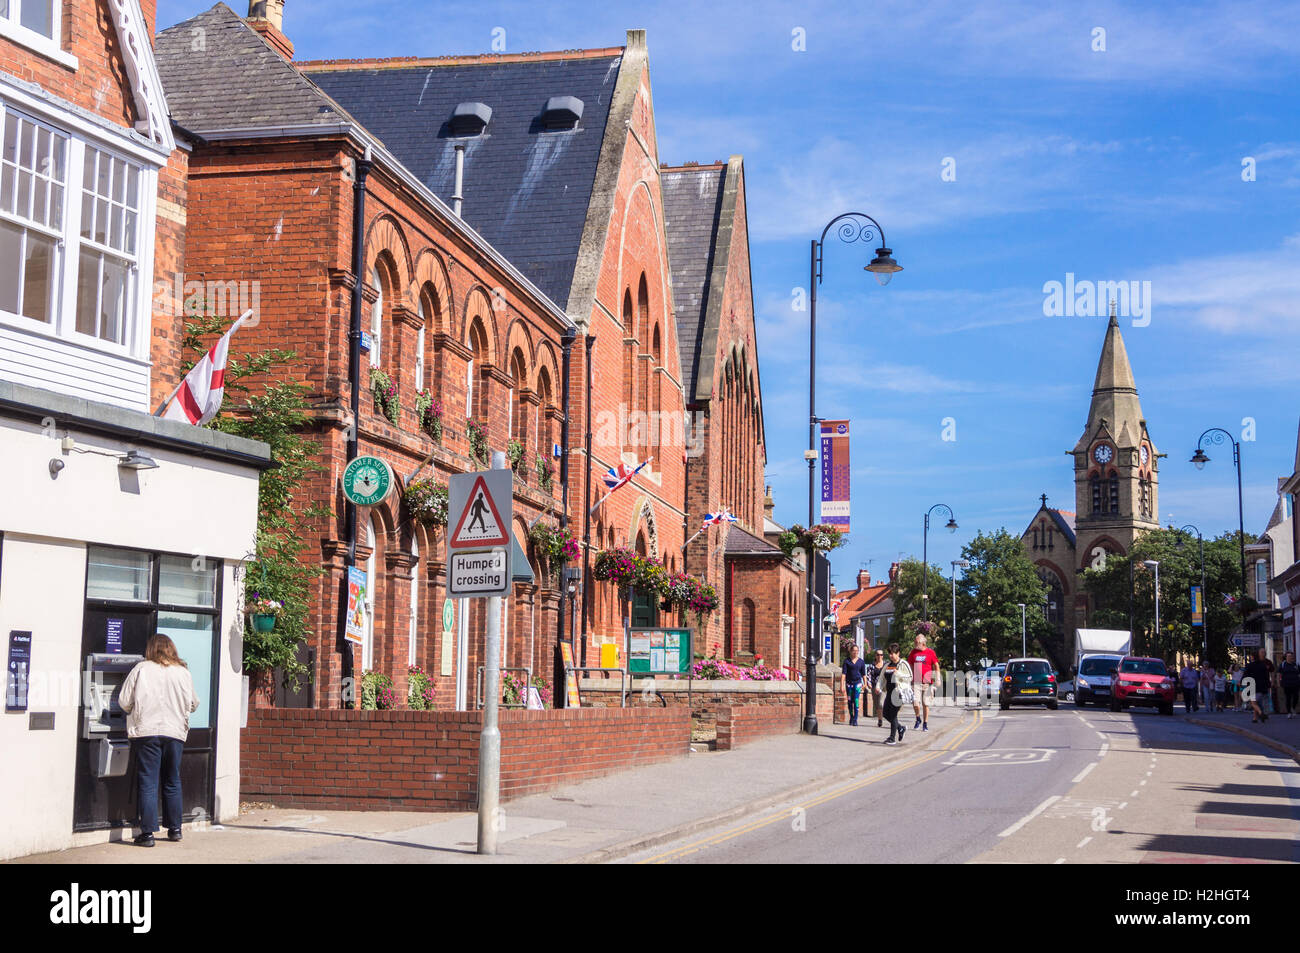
point(55, 466)
point(136, 460)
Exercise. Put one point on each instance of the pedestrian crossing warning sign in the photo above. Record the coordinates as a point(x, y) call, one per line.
point(480, 523)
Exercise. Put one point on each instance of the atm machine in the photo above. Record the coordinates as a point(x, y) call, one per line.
point(103, 721)
point(104, 794)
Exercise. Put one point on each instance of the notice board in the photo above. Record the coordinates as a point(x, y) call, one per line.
point(659, 650)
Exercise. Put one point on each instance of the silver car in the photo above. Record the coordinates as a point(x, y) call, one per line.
point(991, 682)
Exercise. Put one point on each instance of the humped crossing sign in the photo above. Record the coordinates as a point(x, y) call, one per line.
point(479, 559)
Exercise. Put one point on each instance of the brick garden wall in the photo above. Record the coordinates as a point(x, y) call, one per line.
point(428, 761)
point(739, 724)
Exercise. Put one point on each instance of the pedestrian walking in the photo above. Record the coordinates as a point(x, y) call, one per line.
point(855, 671)
point(1289, 674)
point(1220, 690)
point(895, 685)
point(1190, 680)
point(1234, 687)
point(1255, 685)
point(158, 696)
point(869, 683)
point(924, 664)
point(1207, 686)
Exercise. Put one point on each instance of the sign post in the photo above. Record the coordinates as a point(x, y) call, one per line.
point(480, 507)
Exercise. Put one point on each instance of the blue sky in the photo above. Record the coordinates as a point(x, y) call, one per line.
point(1122, 164)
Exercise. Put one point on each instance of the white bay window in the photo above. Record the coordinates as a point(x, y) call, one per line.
point(76, 246)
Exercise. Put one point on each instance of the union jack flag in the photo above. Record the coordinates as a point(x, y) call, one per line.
point(722, 516)
point(615, 477)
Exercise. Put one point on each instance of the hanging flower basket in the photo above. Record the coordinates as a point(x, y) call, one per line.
point(617, 565)
point(515, 453)
point(545, 472)
point(823, 537)
point(263, 612)
point(427, 501)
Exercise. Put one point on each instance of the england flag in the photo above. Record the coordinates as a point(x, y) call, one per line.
point(198, 399)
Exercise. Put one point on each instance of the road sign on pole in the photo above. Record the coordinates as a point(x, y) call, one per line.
point(480, 507)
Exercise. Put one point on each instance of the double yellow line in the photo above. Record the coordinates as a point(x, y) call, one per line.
point(716, 839)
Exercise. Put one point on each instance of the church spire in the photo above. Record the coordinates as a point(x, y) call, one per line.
point(1114, 393)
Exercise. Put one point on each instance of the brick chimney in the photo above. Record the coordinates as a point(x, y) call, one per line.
point(893, 574)
point(864, 578)
point(267, 18)
point(768, 506)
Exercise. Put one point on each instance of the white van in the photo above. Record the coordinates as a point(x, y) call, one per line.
point(1092, 682)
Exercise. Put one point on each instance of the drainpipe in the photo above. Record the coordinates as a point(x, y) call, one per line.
point(586, 514)
point(566, 341)
point(363, 166)
point(456, 196)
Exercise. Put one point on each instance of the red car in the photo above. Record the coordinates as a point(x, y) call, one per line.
point(1142, 681)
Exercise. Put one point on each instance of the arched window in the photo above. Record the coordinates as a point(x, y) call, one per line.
point(1097, 502)
point(477, 354)
point(518, 381)
point(419, 345)
point(746, 632)
point(1114, 493)
point(545, 402)
point(629, 358)
point(376, 316)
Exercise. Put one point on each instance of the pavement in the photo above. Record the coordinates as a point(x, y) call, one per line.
point(1280, 733)
point(602, 820)
point(1035, 786)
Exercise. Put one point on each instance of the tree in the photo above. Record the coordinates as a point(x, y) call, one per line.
point(1000, 577)
point(907, 594)
point(276, 415)
point(1114, 591)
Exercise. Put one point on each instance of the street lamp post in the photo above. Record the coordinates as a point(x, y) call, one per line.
point(1155, 564)
point(956, 564)
point(1205, 616)
point(950, 526)
point(852, 227)
point(1024, 645)
point(1217, 435)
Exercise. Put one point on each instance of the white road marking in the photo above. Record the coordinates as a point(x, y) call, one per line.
point(1134, 794)
point(1030, 816)
point(1060, 860)
point(1084, 773)
point(1101, 735)
point(1143, 782)
point(1148, 775)
point(1083, 842)
point(1104, 748)
point(1123, 804)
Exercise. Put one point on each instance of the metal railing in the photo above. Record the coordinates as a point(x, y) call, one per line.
point(622, 679)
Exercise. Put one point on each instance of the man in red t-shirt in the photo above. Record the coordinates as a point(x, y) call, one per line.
point(925, 675)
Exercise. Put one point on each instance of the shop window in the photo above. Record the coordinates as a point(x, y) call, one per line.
point(187, 582)
point(120, 575)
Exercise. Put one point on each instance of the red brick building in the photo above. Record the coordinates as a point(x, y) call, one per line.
point(713, 294)
point(508, 201)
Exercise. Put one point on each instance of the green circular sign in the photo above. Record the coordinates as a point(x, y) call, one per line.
point(367, 480)
point(448, 615)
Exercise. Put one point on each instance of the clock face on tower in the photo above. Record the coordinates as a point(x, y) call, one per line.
point(1103, 454)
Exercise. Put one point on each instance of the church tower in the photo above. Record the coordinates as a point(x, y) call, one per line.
point(1116, 479)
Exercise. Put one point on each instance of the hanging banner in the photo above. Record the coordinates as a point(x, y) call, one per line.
point(1198, 606)
point(358, 597)
point(835, 474)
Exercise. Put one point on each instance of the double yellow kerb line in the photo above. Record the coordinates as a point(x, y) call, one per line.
point(785, 815)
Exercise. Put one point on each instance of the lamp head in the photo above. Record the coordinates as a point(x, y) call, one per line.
point(883, 266)
point(1200, 459)
point(951, 526)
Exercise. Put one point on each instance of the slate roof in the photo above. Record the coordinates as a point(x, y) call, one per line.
point(526, 190)
point(236, 80)
point(740, 542)
point(692, 211)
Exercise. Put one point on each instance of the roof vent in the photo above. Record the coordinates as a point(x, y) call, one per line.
point(470, 119)
point(561, 112)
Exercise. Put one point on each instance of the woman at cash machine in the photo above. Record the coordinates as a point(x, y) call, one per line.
point(158, 696)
